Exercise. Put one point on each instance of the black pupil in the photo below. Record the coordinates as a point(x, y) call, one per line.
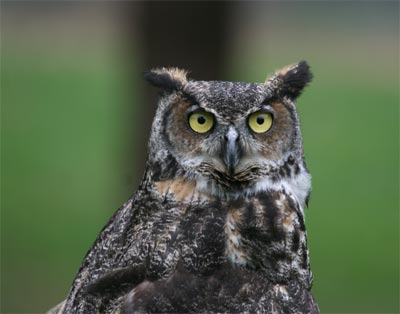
point(260, 120)
point(201, 120)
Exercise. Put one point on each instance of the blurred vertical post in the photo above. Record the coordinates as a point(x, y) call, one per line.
point(191, 35)
point(188, 35)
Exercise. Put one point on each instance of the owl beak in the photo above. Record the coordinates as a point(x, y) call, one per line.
point(231, 150)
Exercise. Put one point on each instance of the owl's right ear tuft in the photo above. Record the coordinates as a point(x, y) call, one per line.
point(169, 79)
point(291, 80)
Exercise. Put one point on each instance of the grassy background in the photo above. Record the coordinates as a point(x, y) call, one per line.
point(71, 127)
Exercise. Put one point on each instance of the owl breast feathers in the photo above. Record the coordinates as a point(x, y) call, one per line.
point(217, 223)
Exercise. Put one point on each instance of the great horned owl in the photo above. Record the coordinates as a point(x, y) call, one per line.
point(217, 224)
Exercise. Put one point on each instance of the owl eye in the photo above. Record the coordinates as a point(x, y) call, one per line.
point(201, 121)
point(260, 122)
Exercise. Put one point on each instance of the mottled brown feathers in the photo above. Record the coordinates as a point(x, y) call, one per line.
point(180, 189)
point(200, 236)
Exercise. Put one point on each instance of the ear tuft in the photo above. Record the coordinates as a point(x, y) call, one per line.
point(291, 80)
point(169, 79)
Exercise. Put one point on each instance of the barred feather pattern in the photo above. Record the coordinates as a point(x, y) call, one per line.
point(162, 255)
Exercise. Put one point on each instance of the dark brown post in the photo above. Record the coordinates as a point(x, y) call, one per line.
point(188, 35)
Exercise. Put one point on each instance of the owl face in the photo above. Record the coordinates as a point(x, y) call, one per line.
point(228, 132)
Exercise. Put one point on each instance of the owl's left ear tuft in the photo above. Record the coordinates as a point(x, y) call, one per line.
point(291, 80)
point(169, 79)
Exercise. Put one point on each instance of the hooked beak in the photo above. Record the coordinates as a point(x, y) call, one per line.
point(231, 150)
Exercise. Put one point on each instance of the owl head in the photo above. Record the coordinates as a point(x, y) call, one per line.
point(227, 135)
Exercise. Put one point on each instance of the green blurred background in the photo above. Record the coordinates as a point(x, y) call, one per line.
point(75, 120)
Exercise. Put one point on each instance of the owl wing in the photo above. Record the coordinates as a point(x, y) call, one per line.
point(106, 268)
point(227, 290)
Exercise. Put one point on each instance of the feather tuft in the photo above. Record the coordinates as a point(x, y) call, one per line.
point(291, 80)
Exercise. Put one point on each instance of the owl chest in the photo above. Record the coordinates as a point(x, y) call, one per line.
point(262, 232)
point(193, 238)
point(267, 233)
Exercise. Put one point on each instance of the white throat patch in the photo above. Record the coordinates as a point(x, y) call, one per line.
point(298, 186)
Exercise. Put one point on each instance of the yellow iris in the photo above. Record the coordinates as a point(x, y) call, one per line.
point(201, 121)
point(260, 121)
